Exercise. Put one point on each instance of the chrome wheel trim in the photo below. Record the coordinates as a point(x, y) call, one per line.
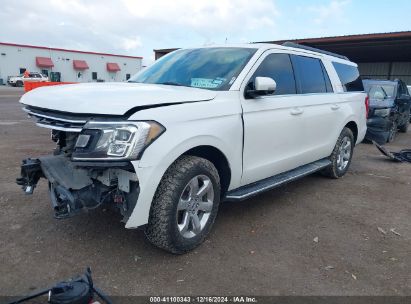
point(195, 206)
point(344, 153)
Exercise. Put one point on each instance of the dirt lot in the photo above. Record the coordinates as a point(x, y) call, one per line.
point(263, 246)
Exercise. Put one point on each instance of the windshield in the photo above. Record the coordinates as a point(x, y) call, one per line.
point(206, 68)
point(375, 90)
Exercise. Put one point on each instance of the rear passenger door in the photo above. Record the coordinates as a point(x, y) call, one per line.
point(290, 128)
point(322, 109)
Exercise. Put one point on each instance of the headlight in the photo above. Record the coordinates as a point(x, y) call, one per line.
point(382, 112)
point(115, 140)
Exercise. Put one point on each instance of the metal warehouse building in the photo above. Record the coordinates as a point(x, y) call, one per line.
point(383, 56)
point(66, 65)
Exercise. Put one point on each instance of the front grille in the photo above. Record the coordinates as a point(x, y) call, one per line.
point(56, 121)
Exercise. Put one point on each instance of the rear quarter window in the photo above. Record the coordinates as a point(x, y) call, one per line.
point(349, 77)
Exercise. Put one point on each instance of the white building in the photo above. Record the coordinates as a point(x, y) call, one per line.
point(66, 65)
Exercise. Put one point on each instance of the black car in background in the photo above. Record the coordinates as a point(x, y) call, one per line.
point(389, 112)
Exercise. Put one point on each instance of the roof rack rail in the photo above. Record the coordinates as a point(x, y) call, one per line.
point(309, 48)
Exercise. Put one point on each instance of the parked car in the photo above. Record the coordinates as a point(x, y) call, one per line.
point(389, 109)
point(198, 127)
point(18, 81)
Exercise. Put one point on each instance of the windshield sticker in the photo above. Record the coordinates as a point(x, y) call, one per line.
point(206, 82)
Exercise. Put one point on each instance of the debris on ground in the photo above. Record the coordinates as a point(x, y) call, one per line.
point(315, 240)
point(382, 230)
point(329, 267)
point(354, 276)
point(402, 156)
point(395, 232)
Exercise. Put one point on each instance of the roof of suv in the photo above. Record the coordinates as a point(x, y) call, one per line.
point(270, 46)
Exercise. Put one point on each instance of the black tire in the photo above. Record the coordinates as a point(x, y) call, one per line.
point(334, 170)
point(162, 228)
point(19, 84)
point(393, 132)
point(404, 128)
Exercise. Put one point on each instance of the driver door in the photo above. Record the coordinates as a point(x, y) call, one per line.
point(272, 123)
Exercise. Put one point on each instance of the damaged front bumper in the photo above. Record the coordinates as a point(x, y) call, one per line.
point(77, 186)
point(378, 129)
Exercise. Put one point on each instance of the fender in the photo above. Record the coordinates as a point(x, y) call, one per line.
point(150, 176)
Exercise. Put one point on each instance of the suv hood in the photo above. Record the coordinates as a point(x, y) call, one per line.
point(110, 98)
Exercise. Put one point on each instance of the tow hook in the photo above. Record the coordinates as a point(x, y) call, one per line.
point(30, 174)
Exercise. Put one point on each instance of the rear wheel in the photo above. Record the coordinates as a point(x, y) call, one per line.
point(19, 83)
point(185, 205)
point(341, 155)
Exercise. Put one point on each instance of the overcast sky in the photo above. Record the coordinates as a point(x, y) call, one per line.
point(136, 27)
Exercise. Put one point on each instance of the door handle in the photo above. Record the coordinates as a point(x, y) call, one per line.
point(335, 107)
point(296, 111)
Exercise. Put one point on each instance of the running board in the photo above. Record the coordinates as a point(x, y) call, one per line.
point(272, 182)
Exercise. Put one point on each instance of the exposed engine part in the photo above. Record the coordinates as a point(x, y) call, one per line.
point(58, 169)
point(67, 203)
point(30, 175)
point(65, 141)
point(74, 188)
point(121, 177)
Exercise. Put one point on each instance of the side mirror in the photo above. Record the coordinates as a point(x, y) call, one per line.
point(262, 86)
point(265, 84)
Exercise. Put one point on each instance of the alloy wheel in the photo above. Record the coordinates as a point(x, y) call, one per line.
point(195, 206)
point(344, 153)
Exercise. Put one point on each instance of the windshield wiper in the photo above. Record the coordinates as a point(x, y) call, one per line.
point(172, 83)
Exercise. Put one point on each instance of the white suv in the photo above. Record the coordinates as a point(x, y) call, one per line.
point(18, 81)
point(198, 127)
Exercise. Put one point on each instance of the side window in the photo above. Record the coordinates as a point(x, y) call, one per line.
point(309, 74)
point(349, 77)
point(279, 68)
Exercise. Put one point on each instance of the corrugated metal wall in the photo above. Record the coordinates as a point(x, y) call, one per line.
point(386, 70)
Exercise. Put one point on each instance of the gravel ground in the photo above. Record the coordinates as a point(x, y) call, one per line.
point(315, 236)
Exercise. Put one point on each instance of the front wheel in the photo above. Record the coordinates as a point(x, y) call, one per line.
point(185, 205)
point(341, 156)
